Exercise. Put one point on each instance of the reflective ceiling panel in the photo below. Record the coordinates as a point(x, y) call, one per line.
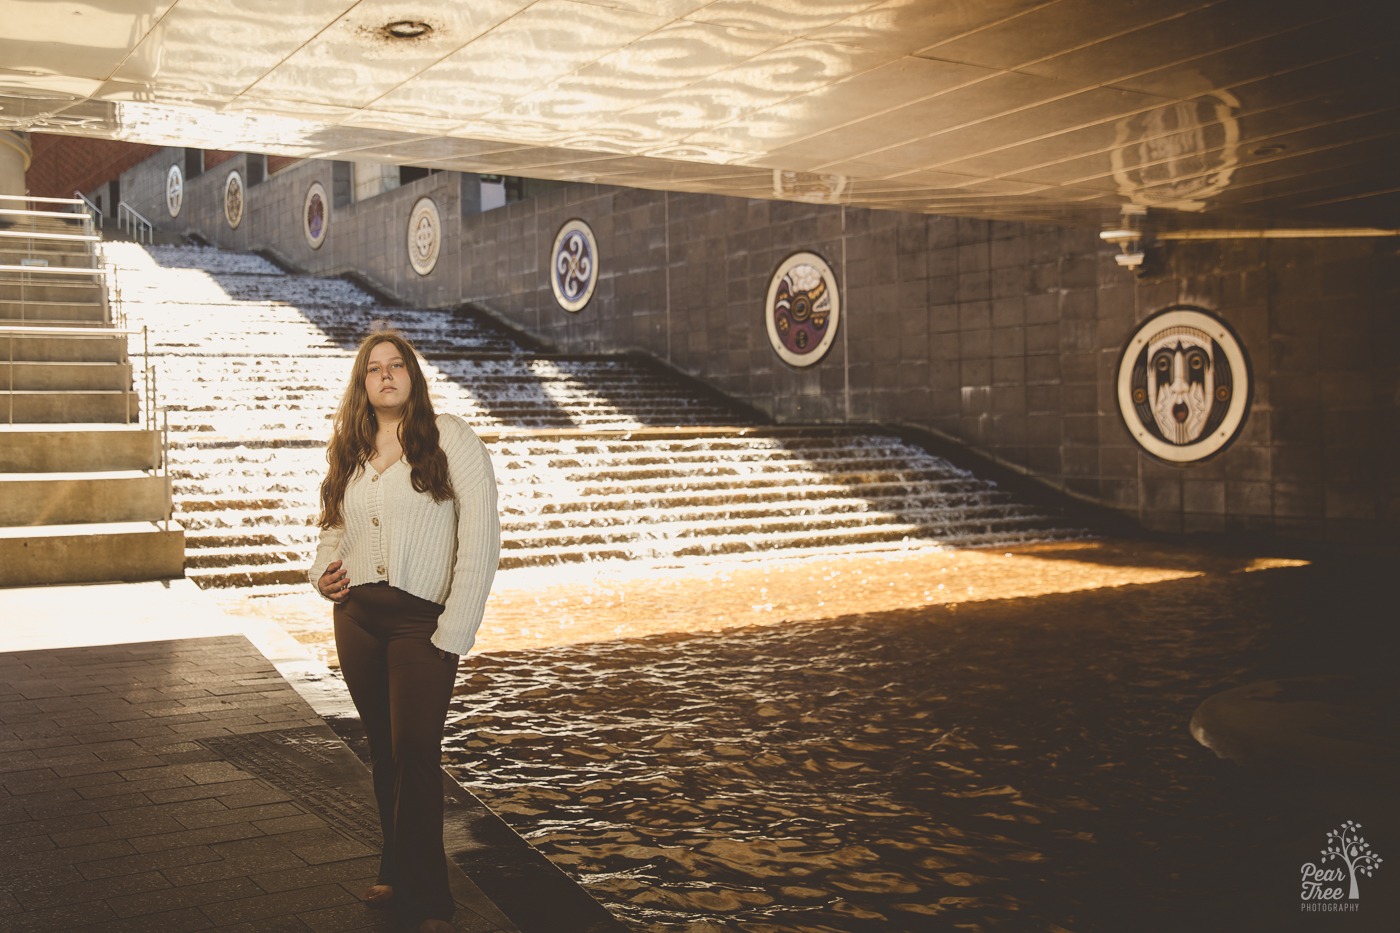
point(1206, 112)
point(358, 58)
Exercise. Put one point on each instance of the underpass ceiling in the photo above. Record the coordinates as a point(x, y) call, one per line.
point(1206, 112)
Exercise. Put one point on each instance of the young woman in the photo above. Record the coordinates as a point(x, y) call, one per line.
point(410, 537)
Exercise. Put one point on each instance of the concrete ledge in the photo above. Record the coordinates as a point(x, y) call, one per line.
point(49, 236)
point(50, 291)
point(1307, 728)
point(22, 271)
point(38, 312)
point(59, 407)
point(26, 448)
point(91, 553)
point(28, 499)
point(68, 348)
point(55, 376)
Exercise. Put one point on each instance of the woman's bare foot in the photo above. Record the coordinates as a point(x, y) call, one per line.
point(379, 895)
point(436, 926)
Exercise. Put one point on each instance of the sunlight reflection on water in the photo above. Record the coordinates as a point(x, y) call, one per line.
point(1011, 764)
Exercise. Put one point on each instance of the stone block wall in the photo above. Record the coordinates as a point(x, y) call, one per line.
point(1003, 337)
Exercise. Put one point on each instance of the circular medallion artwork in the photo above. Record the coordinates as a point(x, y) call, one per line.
point(424, 236)
point(574, 272)
point(233, 199)
point(174, 190)
point(315, 215)
point(803, 309)
point(1183, 385)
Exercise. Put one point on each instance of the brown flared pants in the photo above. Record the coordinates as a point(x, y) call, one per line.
point(401, 686)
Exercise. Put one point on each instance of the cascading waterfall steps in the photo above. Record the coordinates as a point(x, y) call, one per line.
point(598, 458)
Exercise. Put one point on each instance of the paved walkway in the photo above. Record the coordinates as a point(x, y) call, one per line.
point(159, 773)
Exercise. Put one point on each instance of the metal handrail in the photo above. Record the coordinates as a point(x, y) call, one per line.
point(79, 216)
point(113, 307)
point(18, 331)
point(94, 212)
point(40, 235)
point(147, 372)
point(30, 199)
point(113, 310)
point(165, 465)
point(52, 270)
point(139, 226)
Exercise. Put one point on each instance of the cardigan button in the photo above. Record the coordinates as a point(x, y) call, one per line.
point(374, 479)
point(374, 521)
point(379, 570)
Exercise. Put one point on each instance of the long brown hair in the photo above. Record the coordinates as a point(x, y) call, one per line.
point(355, 426)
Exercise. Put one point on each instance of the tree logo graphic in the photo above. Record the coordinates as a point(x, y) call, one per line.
point(1323, 883)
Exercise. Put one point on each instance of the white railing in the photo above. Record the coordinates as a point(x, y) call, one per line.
point(93, 211)
point(148, 388)
point(19, 210)
point(148, 371)
point(113, 310)
point(130, 220)
point(28, 276)
point(165, 465)
point(71, 202)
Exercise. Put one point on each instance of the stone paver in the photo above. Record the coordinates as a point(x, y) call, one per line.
point(165, 766)
point(182, 785)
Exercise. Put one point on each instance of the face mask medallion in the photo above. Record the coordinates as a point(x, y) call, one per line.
point(1177, 388)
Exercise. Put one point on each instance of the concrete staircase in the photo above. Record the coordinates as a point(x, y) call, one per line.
point(82, 495)
point(598, 458)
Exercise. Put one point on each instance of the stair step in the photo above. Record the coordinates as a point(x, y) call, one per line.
point(47, 290)
point(90, 553)
point(760, 528)
point(874, 493)
point(17, 216)
point(48, 376)
point(214, 520)
point(200, 539)
point(43, 448)
point(246, 576)
point(741, 507)
point(218, 558)
point(28, 499)
point(26, 247)
point(869, 539)
point(58, 407)
point(15, 309)
point(53, 313)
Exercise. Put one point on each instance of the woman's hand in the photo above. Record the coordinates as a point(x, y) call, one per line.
point(334, 583)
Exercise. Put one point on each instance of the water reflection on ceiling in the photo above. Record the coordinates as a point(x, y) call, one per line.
point(1053, 110)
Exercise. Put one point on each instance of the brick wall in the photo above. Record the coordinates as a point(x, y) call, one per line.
point(215, 157)
point(277, 163)
point(64, 164)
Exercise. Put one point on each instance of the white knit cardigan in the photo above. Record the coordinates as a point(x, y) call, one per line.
point(444, 552)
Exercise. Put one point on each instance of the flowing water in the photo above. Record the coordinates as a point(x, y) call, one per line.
point(994, 761)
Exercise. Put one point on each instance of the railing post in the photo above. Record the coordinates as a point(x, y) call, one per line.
point(93, 211)
point(165, 465)
point(141, 229)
